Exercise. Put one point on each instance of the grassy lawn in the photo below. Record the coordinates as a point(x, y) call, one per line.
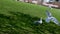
point(18, 17)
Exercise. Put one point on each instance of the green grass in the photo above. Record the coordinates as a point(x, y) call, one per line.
point(18, 17)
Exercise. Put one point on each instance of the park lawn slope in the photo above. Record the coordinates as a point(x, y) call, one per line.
point(18, 17)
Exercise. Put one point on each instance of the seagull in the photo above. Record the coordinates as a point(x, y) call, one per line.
point(51, 18)
point(39, 22)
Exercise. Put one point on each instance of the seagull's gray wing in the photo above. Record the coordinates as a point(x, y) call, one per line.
point(48, 13)
point(55, 21)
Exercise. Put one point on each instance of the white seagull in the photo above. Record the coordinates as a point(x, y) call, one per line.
point(40, 21)
point(51, 18)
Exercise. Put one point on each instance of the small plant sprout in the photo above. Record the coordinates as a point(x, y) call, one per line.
point(50, 7)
